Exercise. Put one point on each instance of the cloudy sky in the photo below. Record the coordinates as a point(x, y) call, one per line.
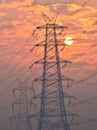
point(18, 19)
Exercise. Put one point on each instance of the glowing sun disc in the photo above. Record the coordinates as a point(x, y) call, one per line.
point(68, 41)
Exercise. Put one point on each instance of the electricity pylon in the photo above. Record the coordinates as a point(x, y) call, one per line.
point(21, 108)
point(53, 114)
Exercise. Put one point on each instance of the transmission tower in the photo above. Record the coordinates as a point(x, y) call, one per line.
point(52, 114)
point(21, 107)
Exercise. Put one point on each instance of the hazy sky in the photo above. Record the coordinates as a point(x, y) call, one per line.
point(18, 19)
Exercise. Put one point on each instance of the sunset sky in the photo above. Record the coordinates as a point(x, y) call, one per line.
point(18, 20)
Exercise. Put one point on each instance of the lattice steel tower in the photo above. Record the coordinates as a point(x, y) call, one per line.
point(52, 115)
point(21, 108)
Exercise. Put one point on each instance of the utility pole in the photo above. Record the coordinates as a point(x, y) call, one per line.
point(52, 114)
point(21, 108)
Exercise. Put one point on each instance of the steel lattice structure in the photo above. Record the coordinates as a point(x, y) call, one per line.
point(21, 108)
point(53, 114)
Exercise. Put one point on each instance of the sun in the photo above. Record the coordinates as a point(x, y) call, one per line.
point(68, 41)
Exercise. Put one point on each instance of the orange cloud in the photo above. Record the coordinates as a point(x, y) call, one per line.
point(20, 19)
point(2, 14)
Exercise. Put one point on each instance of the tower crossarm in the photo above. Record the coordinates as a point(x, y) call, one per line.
point(54, 79)
point(21, 88)
point(16, 116)
point(50, 45)
point(51, 26)
point(68, 113)
point(65, 95)
point(50, 62)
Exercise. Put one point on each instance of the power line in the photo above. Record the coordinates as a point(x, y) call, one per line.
point(6, 76)
point(85, 101)
point(4, 66)
point(14, 81)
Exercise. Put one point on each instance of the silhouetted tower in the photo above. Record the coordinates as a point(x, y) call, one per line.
point(52, 115)
point(21, 108)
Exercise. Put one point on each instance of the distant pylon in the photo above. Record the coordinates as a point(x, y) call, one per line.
point(21, 108)
point(53, 114)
